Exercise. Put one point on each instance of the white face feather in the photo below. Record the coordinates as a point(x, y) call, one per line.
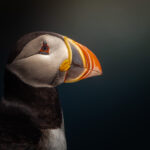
point(37, 69)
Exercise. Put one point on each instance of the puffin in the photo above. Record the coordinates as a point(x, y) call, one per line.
point(31, 117)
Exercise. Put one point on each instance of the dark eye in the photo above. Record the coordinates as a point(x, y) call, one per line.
point(45, 48)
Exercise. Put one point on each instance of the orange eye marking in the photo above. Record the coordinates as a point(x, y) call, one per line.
point(45, 48)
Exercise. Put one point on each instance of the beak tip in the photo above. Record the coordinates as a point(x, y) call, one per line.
point(97, 67)
point(95, 73)
point(100, 72)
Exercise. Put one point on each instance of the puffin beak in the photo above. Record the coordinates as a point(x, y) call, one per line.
point(81, 62)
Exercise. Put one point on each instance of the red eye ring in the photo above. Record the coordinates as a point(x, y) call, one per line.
point(45, 48)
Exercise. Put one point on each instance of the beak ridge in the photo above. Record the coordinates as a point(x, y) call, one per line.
point(88, 64)
point(93, 66)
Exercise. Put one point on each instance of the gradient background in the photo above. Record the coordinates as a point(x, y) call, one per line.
point(107, 112)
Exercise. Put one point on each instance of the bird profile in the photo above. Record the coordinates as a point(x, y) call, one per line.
point(31, 117)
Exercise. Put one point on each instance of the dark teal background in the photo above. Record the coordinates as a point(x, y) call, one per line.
point(106, 112)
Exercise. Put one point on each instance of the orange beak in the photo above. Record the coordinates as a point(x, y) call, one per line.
point(81, 63)
point(93, 67)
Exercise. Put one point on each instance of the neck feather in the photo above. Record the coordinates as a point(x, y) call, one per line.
point(42, 102)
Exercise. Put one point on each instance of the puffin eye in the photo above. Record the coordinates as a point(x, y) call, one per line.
point(45, 48)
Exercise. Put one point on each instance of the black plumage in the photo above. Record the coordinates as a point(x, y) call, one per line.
point(24, 111)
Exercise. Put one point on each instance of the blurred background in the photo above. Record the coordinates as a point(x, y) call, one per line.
point(106, 112)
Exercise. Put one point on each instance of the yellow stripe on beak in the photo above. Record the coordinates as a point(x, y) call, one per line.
point(66, 64)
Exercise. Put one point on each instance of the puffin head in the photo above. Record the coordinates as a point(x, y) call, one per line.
point(45, 59)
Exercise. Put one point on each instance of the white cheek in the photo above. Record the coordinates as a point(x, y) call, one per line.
point(33, 47)
point(37, 70)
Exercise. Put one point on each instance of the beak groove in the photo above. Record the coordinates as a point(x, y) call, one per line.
point(91, 66)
